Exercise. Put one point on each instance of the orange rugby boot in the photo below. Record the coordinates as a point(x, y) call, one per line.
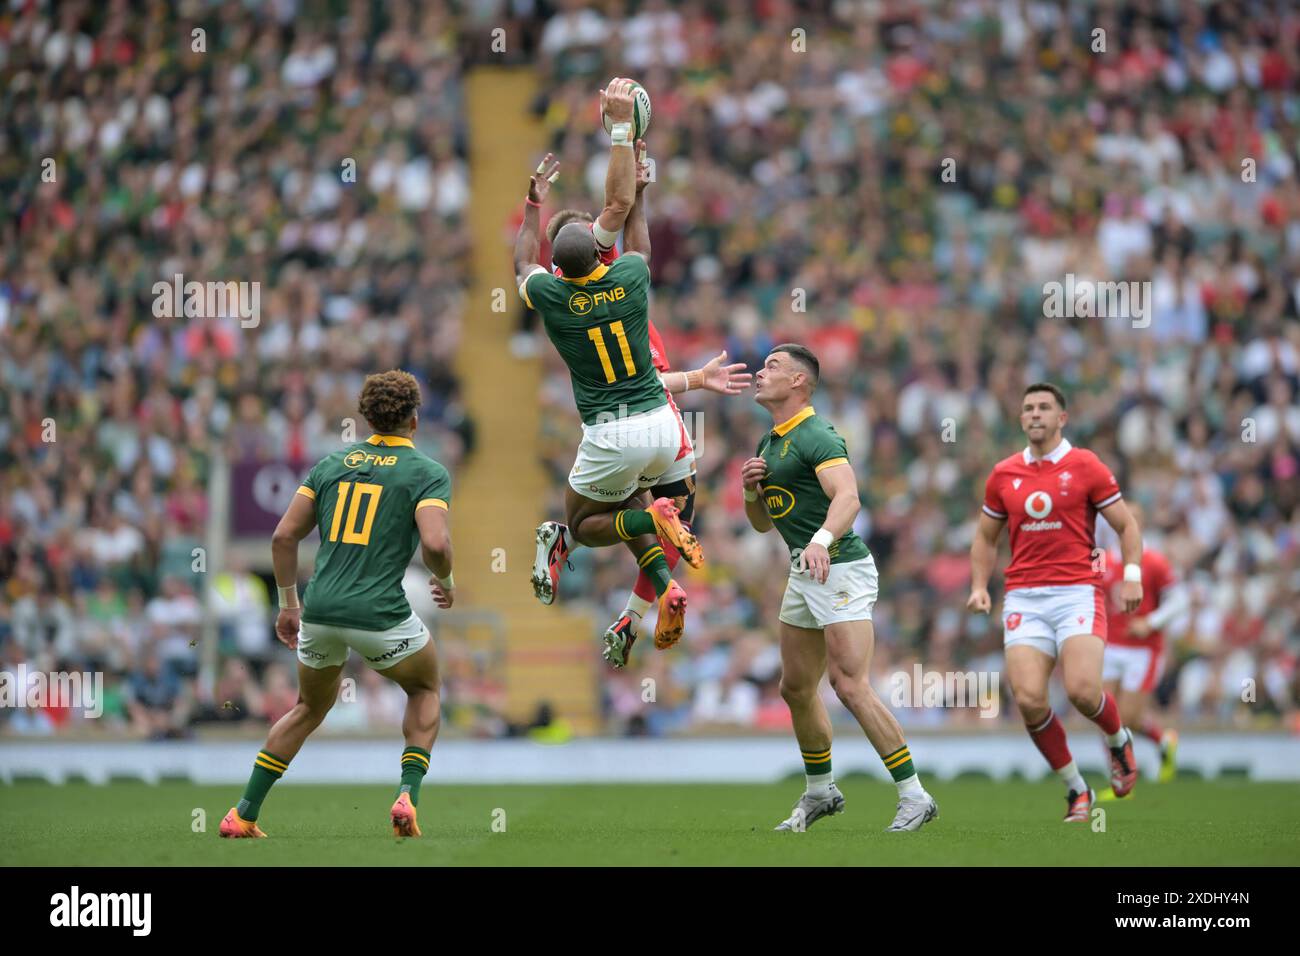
point(669, 528)
point(235, 827)
point(672, 616)
point(403, 814)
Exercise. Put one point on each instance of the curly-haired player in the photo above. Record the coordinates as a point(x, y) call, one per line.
point(374, 502)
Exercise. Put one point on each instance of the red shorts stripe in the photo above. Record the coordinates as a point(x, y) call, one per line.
point(1099, 626)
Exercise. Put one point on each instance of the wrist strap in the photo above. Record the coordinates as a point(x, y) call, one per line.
point(1133, 572)
point(695, 379)
point(751, 494)
point(823, 537)
point(448, 582)
point(620, 134)
point(531, 203)
point(288, 597)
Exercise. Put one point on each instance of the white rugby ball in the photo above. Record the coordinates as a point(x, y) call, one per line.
point(640, 112)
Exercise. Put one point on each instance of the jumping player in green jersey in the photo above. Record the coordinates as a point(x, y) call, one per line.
point(800, 482)
point(597, 317)
point(374, 503)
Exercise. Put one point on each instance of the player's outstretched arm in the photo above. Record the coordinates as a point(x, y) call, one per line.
point(1121, 519)
point(528, 242)
point(620, 177)
point(435, 549)
point(714, 377)
point(983, 556)
point(299, 518)
point(636, 230)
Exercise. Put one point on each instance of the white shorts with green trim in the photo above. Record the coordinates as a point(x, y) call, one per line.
point(327, 645)
point(849, 594)
point(619, 457)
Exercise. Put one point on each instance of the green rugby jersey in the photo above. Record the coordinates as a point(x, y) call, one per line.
point(795, 451)
point(600, 325)
point(366, 497)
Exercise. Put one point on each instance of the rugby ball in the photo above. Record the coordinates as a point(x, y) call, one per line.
point(640, 112)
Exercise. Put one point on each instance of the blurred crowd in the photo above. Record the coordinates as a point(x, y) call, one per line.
point(317, 149)
point(894, 185)
point(890, 183)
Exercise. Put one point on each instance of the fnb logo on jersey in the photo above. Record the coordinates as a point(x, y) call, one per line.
point(580, 303)
point(613, 295)
point(355, 459)
point(1039, 506)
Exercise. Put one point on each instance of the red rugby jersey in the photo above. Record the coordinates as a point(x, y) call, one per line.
point(1050, 506)
point(1157, 576)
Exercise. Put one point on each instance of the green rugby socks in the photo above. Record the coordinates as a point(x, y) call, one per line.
point(415, 764)
point(267, 769)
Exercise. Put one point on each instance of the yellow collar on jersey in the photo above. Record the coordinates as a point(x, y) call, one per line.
point(591, 276)
point(396, 440)
point(806, 412)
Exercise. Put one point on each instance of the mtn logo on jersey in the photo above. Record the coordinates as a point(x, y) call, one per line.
point(779, 500)
point(355, 459)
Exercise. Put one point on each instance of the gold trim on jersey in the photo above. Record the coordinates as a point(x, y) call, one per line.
point(306, 492)
point(396, 441)
point(831, 463)
point(591, 276)
point(806, 412)
point(431, 503)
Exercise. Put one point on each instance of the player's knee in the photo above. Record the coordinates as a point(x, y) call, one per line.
point(798, 695)
point(850, 689)
point(1084, 693)
point(1033, 706)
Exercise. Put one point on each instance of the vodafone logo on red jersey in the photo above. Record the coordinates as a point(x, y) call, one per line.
point(1038, 505)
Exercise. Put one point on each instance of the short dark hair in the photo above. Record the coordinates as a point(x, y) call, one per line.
point(563, 218)
point(1046, 387)
point(804, 357)
point(574, 250)
point(389, 399)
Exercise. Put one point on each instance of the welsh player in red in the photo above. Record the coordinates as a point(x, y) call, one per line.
point(1135, 651)
point(1048, 497)
point(554, 541)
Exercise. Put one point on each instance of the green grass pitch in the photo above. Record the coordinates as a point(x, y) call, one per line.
point(981, 822)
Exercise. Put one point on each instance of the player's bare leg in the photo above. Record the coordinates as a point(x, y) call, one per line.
point(849, 646)
point(1081, 659)
point(803, 661)
point(318, 688)
point(417, 675)
point(1029, 670)
point(598, 524)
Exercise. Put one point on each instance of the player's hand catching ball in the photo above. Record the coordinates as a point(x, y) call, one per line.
point(616, 100)
point(979, 601)
point(539, 183)
point(287, 623)
point(443, 597)
point(816, 560)
point(725, 379)
point(752, 473)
